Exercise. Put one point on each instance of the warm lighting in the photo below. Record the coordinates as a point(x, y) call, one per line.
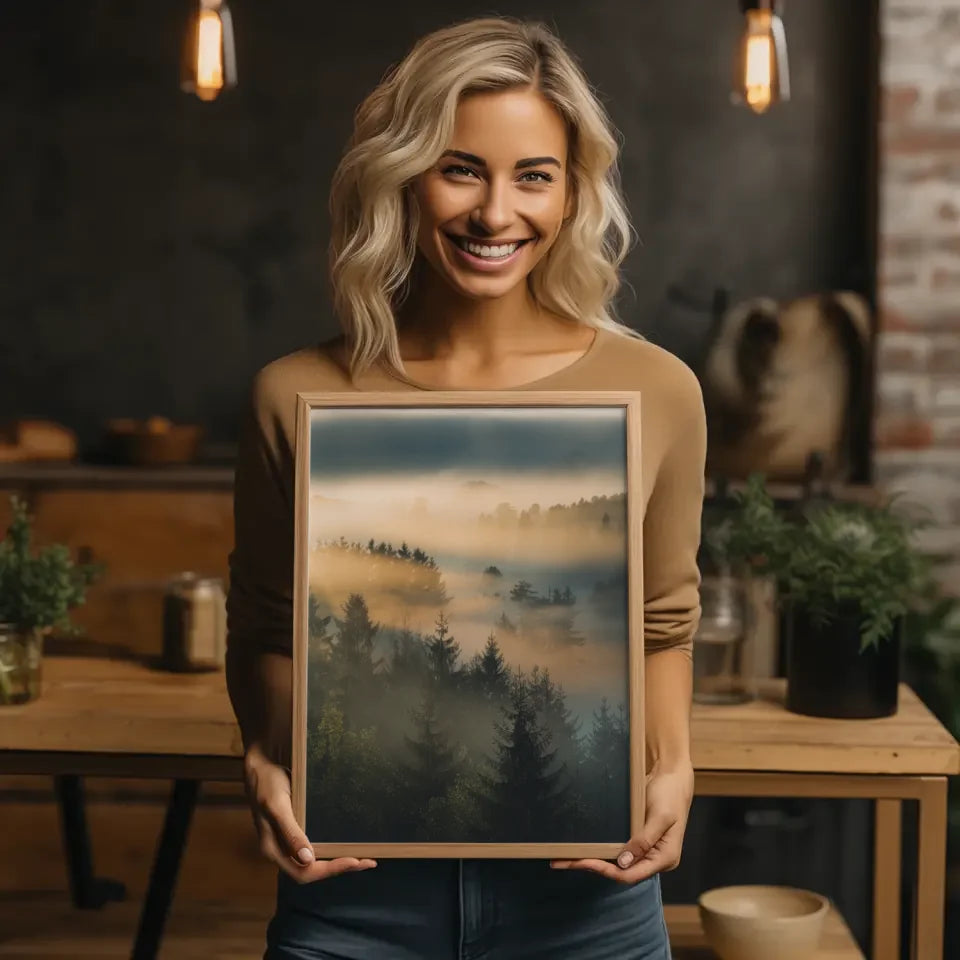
point(209, 55)
point(762, 75)
point(210, 62)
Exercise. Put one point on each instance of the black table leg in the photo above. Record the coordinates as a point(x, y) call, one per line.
point(87, 891)
point(163, 877)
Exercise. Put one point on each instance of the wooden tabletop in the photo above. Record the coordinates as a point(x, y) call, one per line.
point(118, 708)
point(762, 735)
point(125, 709)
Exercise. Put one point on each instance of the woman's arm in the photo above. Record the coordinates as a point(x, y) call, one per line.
point(260, 599)
point(668, 685)
point(671, 541)
point(259, 634)
point(259, 684)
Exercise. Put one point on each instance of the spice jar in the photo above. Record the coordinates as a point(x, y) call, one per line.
point(194, 623)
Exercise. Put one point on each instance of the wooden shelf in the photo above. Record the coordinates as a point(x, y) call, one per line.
point(688, 943)
point(86, 476)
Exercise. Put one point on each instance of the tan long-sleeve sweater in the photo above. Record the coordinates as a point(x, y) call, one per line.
point(673, 448)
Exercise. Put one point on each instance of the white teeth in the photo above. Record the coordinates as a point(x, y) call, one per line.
point(488, 252)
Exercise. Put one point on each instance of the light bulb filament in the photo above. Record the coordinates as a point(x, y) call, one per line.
point(209, 55)
point(762, 76)
point(759, 71)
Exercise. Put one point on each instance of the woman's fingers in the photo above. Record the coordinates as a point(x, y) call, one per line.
point(305, 873)
point(278, 810)
point(281, 838)
point(663, 854)
point(654, 829)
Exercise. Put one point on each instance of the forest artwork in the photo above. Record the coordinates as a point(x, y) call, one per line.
point(464, 658)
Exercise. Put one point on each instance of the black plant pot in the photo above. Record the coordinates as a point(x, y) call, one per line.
point(828, 675)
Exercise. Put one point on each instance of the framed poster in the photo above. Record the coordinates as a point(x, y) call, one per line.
point(468, 624)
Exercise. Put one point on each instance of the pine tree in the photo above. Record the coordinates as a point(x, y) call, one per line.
point(409, 661)
point(523, 592)
point(490, 675)
point(524, 797)
point(550, 703)
point(356, 637)
point(352, 663)
point(608, 769)
point(443, 653)
point(432, 769)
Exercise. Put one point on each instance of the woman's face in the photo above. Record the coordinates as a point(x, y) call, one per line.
point(494, 203)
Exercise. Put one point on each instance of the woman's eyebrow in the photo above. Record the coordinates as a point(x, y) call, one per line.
point(536, 162)
point(519, 165)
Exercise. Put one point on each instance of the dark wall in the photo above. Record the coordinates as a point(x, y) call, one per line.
point(156, 250)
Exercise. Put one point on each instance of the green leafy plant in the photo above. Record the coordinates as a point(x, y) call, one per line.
point(829, 556)
point(750, 535)
point(39, 589)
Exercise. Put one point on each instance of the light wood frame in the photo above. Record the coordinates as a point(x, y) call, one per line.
point(630, 402)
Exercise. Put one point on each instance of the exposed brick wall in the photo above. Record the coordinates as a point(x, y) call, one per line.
point(918, 358)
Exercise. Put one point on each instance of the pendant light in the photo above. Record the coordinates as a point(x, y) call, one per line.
point(762, 75)
point(210, 58)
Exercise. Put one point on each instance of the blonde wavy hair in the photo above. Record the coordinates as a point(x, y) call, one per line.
point(403, 127)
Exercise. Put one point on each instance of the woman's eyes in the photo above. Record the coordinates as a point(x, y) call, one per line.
point(541, 176)
point(458, 170)
point(528, 176)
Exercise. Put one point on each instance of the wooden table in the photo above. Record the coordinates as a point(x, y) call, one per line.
point(99, 717)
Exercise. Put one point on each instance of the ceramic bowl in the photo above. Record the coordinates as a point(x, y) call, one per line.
point(758, 922)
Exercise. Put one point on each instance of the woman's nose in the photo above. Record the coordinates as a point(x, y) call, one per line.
point(494, 214)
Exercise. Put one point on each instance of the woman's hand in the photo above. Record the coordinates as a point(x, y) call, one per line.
point(281, 839)
point(669, 795)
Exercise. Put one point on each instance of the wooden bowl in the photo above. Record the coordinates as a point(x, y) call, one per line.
point(758, 922)
point(154, 442)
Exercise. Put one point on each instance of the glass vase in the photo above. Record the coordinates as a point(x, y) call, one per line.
point(722, 665)
point(20, 659)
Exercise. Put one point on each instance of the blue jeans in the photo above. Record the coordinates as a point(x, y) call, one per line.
point(467, 910)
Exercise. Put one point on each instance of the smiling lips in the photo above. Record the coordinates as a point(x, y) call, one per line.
point(486, 254)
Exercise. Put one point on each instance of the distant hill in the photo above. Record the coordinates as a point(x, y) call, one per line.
point(597, 512)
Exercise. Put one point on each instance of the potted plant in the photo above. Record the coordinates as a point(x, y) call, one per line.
point(37, 591)
point(847, 575)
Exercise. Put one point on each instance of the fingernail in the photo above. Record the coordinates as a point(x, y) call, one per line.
point(305, 855)
point(625, 859)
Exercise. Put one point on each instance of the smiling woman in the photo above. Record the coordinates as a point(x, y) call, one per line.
point(484, 137)
point(477, 235)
